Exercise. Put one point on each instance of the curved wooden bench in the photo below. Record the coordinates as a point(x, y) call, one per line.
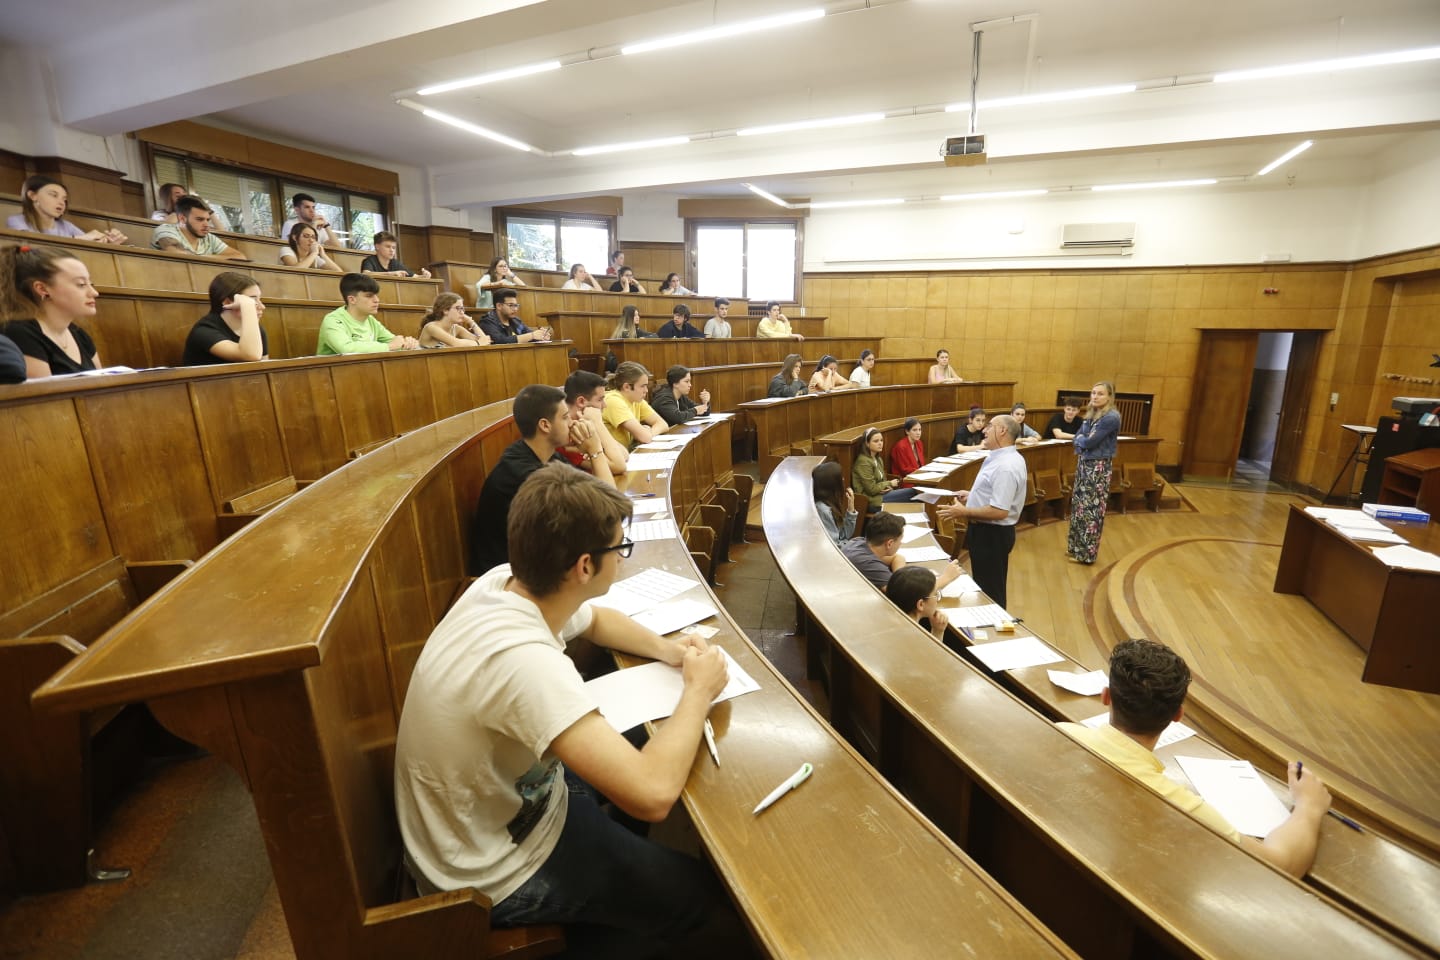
point(784, 425)
point(1110, 866)
point(117, 477)
point(302, 673)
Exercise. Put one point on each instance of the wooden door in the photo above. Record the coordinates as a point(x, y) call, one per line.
point(1218, 401)
point(1295, 405)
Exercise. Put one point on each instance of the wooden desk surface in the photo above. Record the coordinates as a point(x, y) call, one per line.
point(988, 747)
point(796, 874)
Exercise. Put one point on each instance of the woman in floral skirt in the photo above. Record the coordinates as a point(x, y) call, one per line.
point(1094, 450)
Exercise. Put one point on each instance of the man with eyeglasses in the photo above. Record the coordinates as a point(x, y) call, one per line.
point(546, 424)
point(501, 747)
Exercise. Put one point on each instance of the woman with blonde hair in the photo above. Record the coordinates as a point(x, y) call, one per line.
point(43, 201)
point(628, 326)
point(788, 382)
point(580, 279)
point(1095, 441)
point(448, 325)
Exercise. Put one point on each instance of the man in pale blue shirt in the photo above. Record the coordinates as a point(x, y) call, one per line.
point(992, 507)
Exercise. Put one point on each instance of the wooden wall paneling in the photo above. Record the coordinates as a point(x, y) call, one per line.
point(87, 184)
point(44, 480)
point(165, 325)
point(487, 373)
point(276, 332)
point(407, 385)
point(239, 435)
point(414, 245)
point(146, 457)
point(362, 421)
point(449, 374)
point(324, 286)
point(442, 540)
point(309, 416)
point(397, 577)
point(116, 330)
point(415, 293)
point(1218, 403)
point(300, 336)
point(132, 198)
point(520, 369)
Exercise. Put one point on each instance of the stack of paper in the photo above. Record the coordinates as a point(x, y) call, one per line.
point(984, 615)
point(960, 586)
point(641, 530)
point(1234, 788)
point(1356, 525)
point(628, 698)
point(1016, 653)
point(928, 475)
point(1408, 557)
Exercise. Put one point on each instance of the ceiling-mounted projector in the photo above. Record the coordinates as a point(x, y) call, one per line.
point(965, 151)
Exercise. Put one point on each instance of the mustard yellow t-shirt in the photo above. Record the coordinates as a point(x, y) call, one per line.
point(618, 410)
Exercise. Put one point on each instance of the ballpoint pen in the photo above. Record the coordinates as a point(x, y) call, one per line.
point(795, 780)
point(1299, 768)
point(710, 742)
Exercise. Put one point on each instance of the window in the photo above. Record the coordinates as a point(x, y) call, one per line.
point(247, 201)
point(537, 240)
point(756, 260)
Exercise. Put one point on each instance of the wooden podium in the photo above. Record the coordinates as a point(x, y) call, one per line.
point(1390, 612)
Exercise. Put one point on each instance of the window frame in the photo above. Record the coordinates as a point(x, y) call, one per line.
point(692, 253)
point(501, 236)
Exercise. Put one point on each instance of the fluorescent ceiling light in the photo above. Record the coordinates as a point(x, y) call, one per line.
point(478, 130)
point(1056, 96)
point(767, 195)
point(729, 30)
point(632, 145)
point(1285, 157)
point(995, 195)
point(1152, 185)
point(837, 204)
point(1331, 66)
point(491, 77)
point(810, 124)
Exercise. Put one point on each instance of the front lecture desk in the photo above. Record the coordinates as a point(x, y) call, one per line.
point(1110, 866)
point(287, 651)
point(1391, 612)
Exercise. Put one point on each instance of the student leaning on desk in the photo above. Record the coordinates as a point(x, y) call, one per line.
point(501, 747)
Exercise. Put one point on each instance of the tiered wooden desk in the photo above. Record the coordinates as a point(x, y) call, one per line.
point(118, 477)
point(657, 355)
point(1392, 613)
point(784, 425)
point(594, 324)
point(1110, 866)
point(288, 652)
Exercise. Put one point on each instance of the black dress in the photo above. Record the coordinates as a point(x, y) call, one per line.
point(33, 343)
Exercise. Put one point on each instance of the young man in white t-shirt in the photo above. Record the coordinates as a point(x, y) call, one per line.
point(496, 713)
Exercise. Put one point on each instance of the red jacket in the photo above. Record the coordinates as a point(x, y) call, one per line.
point(905, 459)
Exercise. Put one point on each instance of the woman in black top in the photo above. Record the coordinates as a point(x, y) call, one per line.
point(626, 282)
point(231, 331)
point(971, 435)
point(1064, 425)
point(54, 289)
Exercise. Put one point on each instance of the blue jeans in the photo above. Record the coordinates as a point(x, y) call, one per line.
point(618, 894)
point(898, 495)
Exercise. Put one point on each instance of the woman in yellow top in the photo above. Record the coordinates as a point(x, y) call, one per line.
point(868, 477)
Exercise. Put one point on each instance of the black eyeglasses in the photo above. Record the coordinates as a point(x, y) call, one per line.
point(625, 547)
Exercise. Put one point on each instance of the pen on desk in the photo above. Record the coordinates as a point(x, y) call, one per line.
point(1346, 820)
point(797, 778)
point(710, 742)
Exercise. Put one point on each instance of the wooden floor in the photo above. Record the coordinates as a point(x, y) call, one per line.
point(1271, 673)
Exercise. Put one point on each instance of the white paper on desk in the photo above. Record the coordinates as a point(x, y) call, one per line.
point(913, 531)
point(980, 615)
point(1086, 684)
point(1408, 557)
point(642, 530)
point(1382, 535)
point(960, 586)
point(628, 698)
point(1173, 733)
point(1334, 513)
point(639, 462)
point(932, 494)
point(923, 554)
point(643, 591)
point(925, 476)
point(1016, 653)
point(649, 505)
point(917, 517)
point(722, 416)
point(672, 615)
point(1235, 789)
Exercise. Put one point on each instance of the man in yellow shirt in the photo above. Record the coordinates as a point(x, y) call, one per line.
point(628, 417)
point(1147, 689)
point(776, 325)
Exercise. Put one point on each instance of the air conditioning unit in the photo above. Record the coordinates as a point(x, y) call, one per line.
point(1082, 236)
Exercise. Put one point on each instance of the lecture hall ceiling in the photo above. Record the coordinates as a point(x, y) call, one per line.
point(331, 76)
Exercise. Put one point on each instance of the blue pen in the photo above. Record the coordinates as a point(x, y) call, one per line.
point(1299, 769)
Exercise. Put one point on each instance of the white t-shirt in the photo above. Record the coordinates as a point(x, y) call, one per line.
point(860, 376)
point(285, 251)
point(323, 233)
point(480, 800)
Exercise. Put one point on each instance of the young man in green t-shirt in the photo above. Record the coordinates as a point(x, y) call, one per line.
point(353, 327)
